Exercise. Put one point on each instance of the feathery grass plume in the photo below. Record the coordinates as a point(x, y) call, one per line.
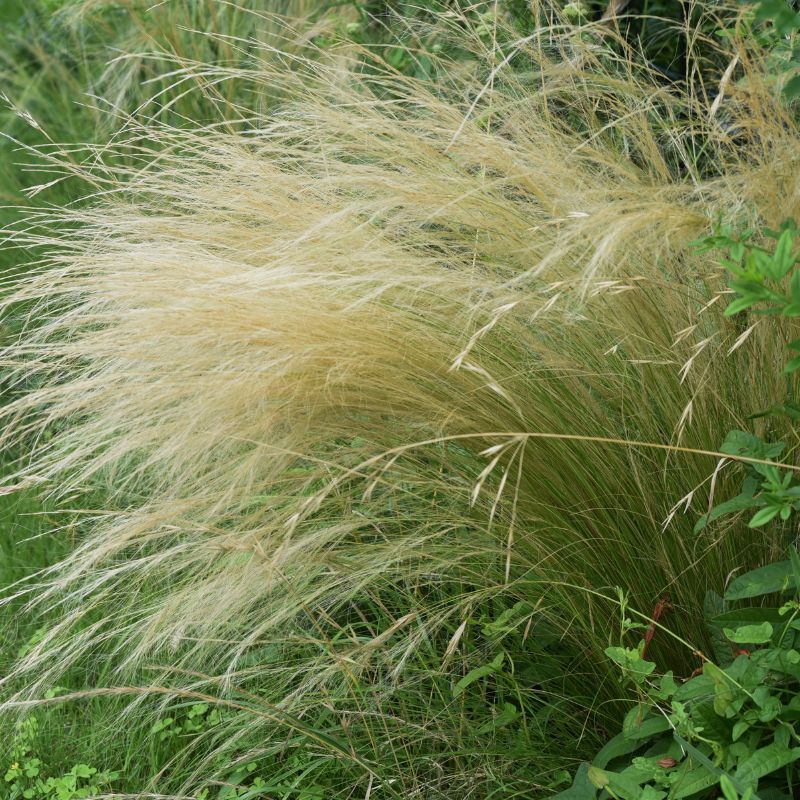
point(77, 71)
point(398, 340)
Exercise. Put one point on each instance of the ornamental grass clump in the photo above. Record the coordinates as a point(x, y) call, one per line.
point(399, 345)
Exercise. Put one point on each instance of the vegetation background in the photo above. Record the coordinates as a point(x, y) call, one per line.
point(291, 239)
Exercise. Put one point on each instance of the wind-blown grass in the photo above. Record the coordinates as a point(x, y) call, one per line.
point(77, 71)
point(353, 369)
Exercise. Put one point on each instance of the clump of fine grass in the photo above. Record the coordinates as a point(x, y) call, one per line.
point(399, 339)
point(79, 70)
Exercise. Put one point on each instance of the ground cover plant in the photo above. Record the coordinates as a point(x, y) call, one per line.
point(730, 728)
point(354, 410)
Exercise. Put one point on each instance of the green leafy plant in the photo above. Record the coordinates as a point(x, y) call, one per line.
point(780, 23)
point(763, 280)
point(732, 729)
point(766, 282)
point(26, 776)
point(197, 718)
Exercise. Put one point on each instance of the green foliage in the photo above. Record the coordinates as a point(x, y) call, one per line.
point(767, 282)
point(764, 280)
point(780, 24)
point(28, 777)
point(732, 729)
point(773, 491)
point(197, 718)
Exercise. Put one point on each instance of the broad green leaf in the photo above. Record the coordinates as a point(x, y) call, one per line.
point(698, 686)
point(651, 793)
point(725, 692)
point(765, 761)
point(792, 364)
point(713, 606)
point(769, 709)
point(782, 258)
point(622, 786)
point(783, 661)
point(714, 726)
point(741, 502)
point(794, 291)
point(742, 726)
point(741, 443)
point(750, 634)
point(692, 782)
point(761, 261)
point(581, 789)
point(636, 667)
point(775, 577)
point(792, 87)
point(740, 305)
point(702, 777)
point(633, 719)
point(667, 686)
point(598, 777)
point(749, 616)
point(728, 789)
point(624, 743)
point(476, 674)
point(763, 516)
point(791, 310)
